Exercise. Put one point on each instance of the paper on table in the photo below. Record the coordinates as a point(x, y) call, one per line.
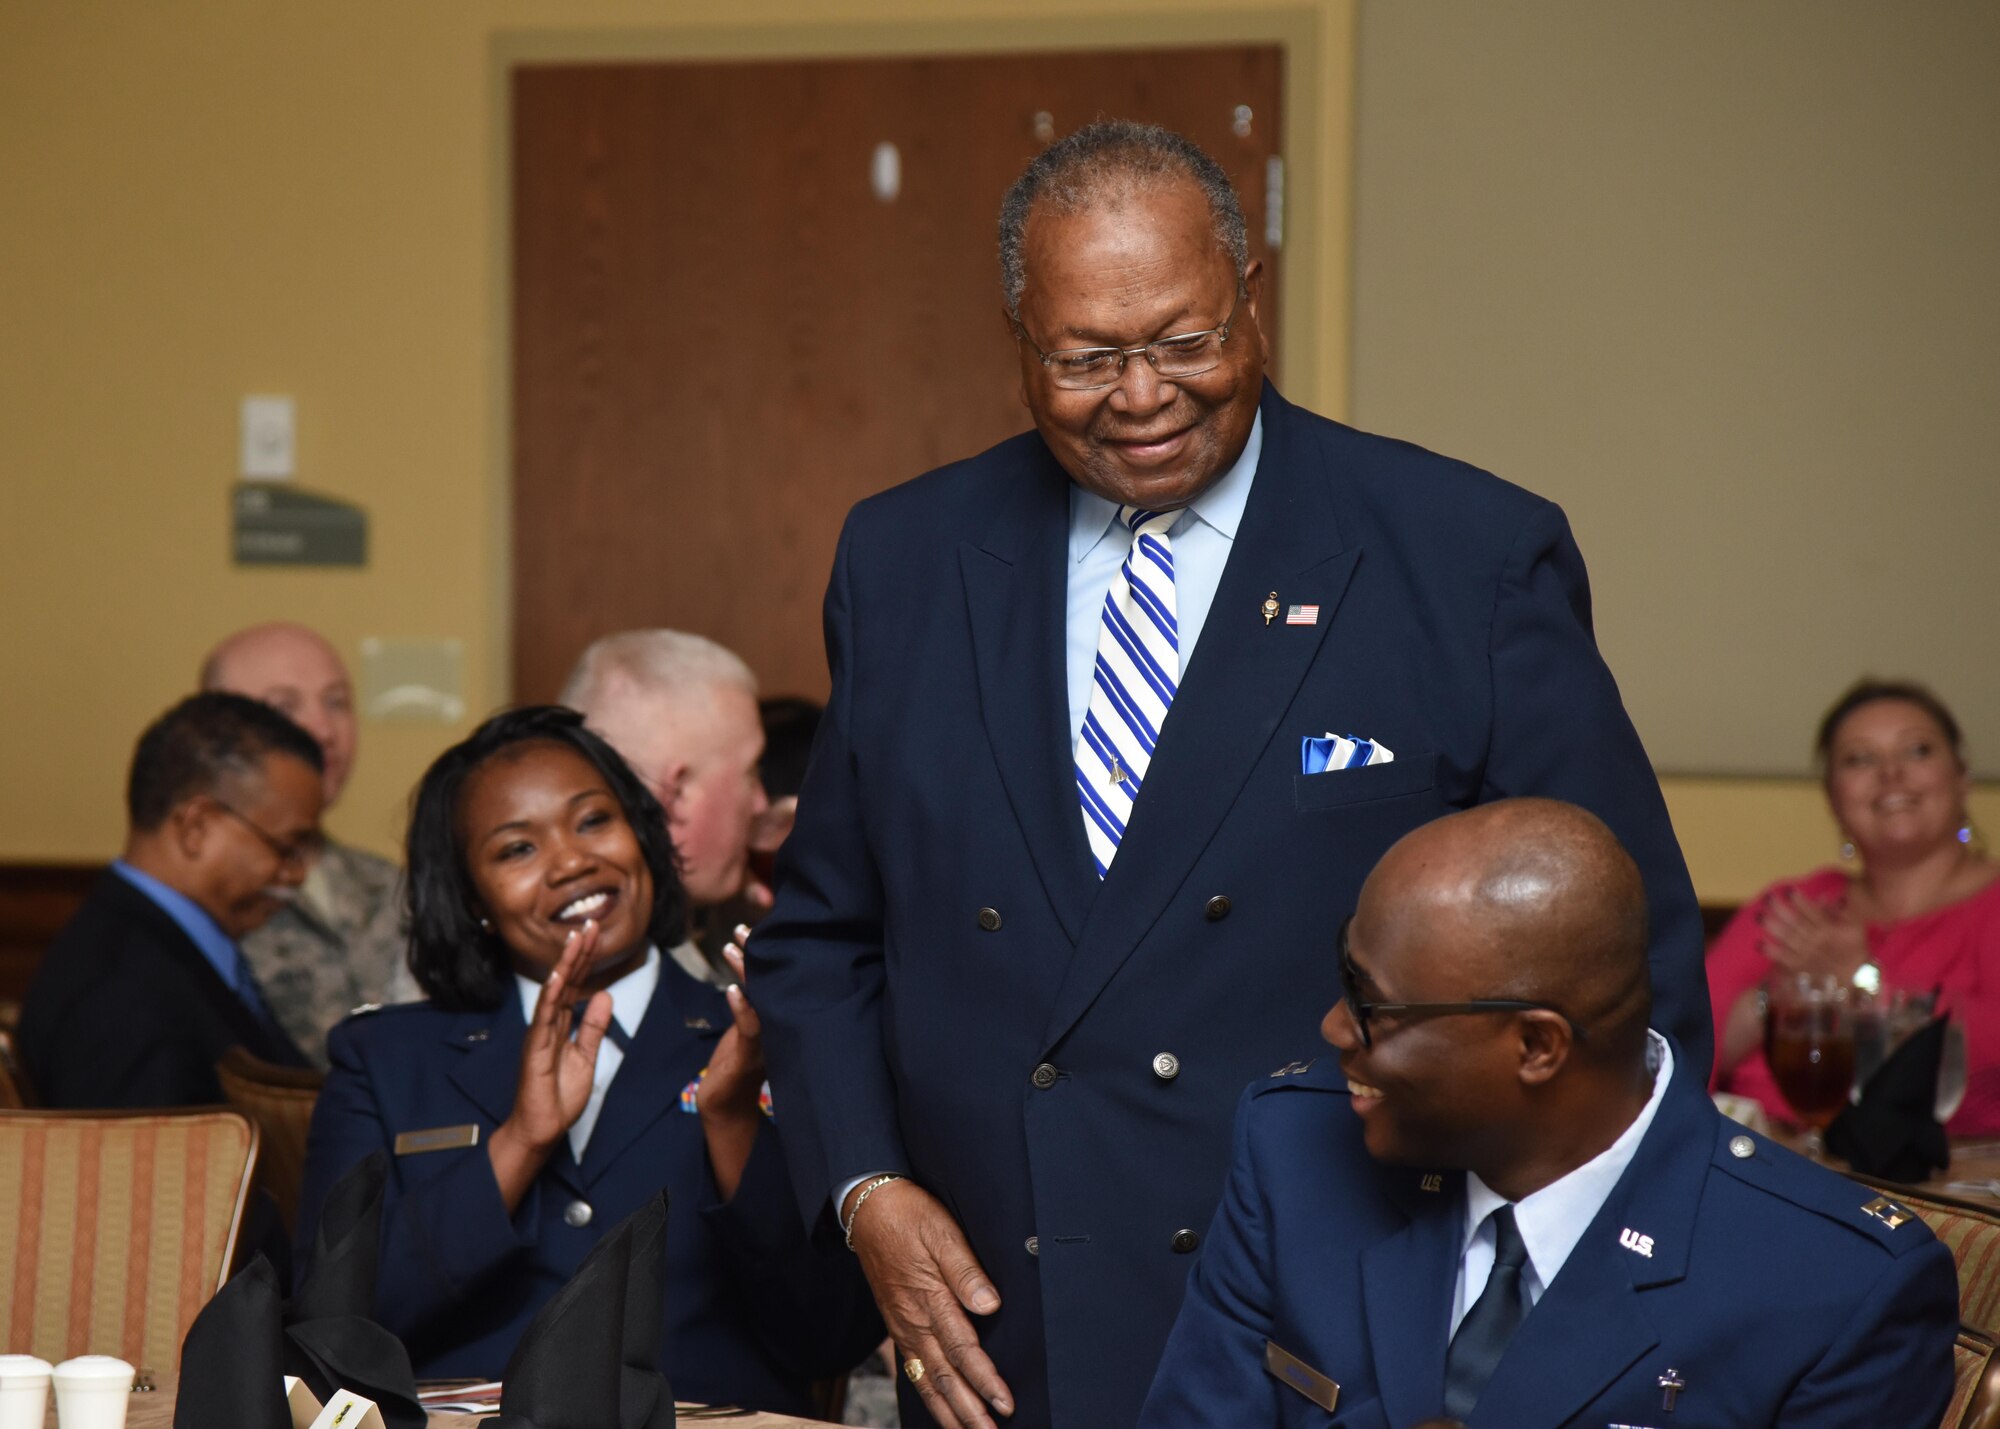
point(348, 1410)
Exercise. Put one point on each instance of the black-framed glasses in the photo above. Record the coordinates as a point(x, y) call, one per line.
point(1183, 354)
point(1361, 1010)
point(299, 851)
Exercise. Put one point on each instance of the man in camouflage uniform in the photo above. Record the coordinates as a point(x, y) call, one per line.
point(339, 943)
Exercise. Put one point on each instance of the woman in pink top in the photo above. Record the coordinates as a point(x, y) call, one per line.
point(1923, 906)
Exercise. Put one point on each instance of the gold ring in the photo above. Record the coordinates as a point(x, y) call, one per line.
point(914, 1368)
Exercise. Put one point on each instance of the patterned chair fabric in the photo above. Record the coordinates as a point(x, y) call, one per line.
point(116, 1228)
point(1971, 1363)
point(280, 1100)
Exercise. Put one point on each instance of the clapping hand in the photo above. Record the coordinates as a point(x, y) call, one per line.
point(556, 1071)
point(1802, 934)
point(731, 1087)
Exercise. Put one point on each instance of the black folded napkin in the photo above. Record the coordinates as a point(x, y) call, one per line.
point(1892, 1132)
point(590, 1359)
point(233, 1360)
point(331, 1339)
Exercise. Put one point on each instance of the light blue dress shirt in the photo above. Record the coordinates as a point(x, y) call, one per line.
point(217, 946)
point(1201, 537)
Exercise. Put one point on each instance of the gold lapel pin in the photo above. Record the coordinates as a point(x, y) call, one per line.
point(1270, 607)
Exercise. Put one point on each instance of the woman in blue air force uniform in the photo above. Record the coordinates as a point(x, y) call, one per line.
point(562, 1071)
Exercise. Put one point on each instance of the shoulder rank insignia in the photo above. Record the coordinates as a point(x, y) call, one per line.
point(1292, 1069)
point(365, 1009)
point(1888, 1212)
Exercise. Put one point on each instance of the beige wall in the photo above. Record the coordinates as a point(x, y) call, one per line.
point(204, 200)
point(210, 199)
point(1718, 277)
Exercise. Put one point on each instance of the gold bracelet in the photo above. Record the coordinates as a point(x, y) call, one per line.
point(866, 1191)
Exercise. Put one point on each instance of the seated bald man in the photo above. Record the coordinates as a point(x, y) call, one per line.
point(339, 944)
point(1508, 1202)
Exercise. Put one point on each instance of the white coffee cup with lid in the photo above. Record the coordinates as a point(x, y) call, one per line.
point(24, 1391)
point(92, 1392)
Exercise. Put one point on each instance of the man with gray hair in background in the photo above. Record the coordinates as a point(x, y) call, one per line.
point(338, 943)
point(682, 711)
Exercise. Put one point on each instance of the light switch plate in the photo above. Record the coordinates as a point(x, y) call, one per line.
point(269, 437)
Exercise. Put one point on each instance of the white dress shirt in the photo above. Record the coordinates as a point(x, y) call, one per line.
point(1553, 1219)
point(631, 995)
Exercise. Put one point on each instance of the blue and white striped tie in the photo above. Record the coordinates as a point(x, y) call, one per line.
point(1138, 670)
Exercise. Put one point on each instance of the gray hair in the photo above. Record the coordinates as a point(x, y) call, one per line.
point(1110, 158)
point(661, 662)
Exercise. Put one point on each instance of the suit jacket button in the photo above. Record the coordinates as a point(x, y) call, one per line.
point(577, 1214)
point(1044, 1076)
point(989, 919)
point(1185, 1241)
point(1217, 909)
point(1166, 1066)
point(1034, 1245)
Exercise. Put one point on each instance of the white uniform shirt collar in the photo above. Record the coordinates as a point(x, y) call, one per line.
point(631, 995)
point(1553, 1219)
point(1220, 507)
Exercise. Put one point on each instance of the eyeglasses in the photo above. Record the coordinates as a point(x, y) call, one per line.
point(300, 851)
point(1185, 354)
point(1361, 1011)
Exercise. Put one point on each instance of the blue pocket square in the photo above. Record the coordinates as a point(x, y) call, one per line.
point(1317, 756)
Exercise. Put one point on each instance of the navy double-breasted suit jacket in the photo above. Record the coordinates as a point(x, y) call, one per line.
point(1751, 1281)
point(948, 990)
point(752, 1311)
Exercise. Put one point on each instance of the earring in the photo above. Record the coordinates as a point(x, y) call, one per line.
point(1847, 850)
point(485, 926)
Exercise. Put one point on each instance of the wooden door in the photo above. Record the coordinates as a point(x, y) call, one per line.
point(723, 336)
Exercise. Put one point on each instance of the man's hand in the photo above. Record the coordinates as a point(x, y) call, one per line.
point(925, 1277)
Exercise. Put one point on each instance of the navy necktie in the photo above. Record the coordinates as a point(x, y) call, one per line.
point(614, 1034)
point(1491, 1322)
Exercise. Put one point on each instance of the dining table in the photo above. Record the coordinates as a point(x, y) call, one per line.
point(155, 1410)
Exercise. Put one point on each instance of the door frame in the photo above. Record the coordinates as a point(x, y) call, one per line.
point(1315, 306)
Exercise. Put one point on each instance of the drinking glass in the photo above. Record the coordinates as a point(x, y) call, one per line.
point(1809, 1044)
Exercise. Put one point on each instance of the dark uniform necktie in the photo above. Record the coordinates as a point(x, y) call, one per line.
point(613, 1033)
point(1491, 1322)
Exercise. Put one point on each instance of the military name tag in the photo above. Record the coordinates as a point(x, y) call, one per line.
point(1301, 1376)
point(438, 1138)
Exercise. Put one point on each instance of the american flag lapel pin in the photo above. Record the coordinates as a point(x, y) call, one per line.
point(1301, 615)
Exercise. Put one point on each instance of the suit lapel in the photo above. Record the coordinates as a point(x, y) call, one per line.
point(1407, 1283)
point(1016, 582)
point(644, 1089)
point(1591, 1325)
point(1239, 683)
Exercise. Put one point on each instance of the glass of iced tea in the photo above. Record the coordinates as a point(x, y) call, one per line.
point(1809, 1043)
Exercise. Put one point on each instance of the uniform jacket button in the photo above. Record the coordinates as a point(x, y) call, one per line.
point(989, 919)
point(1166, 1066)
point(1185, 1241)
point(577, 1214)
point(1218, 908)
point(1034, 1244)
point(1044, 1076)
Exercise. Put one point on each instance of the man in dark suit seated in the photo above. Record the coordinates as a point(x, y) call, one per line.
point(145, 988)
point(1507, 1200)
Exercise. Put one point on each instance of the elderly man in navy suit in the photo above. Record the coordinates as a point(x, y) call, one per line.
point(1508, 1200)
point(1122, 711)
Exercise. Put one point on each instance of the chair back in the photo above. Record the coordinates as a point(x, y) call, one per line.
point(1971, 1232)
point(117, 1227)
point(15, 1092)
point(280, 1100)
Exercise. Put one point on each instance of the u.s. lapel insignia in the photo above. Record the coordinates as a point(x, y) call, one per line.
point(1287, 1368)
point(1432, 1181)
point(1636, 1243)
point(1888, 1212)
